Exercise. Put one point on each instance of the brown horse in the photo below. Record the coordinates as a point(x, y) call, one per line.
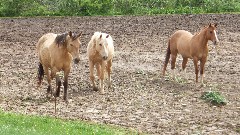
point(191, 46)
point(56, 52)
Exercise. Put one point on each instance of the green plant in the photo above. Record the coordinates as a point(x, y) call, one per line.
point(214, 98)
point(238, 130)
point(180, 80)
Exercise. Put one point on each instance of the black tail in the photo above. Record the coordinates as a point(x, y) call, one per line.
point(167, 58)
point(40, 73)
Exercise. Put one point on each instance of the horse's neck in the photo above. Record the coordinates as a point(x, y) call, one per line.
point(202, 39)
point(61, 51)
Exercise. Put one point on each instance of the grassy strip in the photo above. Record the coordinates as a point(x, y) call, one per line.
point(17, 124)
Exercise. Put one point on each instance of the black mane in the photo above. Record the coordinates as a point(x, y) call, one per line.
point(61, 39)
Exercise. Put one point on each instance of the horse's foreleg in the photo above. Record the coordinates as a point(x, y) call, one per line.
point(109, 70)
point(98, 67)
point(58, 85)
point(195, 61)
point(58, 82)
point(65, 84)
point(92, 78)
point(202, 64)
point(101, 81)
point(184, 63)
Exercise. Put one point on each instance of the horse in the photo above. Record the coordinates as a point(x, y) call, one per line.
point(100, 51)
point(56, 52)
point(191, 46)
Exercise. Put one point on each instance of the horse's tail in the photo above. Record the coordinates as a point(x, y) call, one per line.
point(167, 57)
point(40, 73)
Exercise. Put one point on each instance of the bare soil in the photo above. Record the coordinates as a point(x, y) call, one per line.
point(140, 98)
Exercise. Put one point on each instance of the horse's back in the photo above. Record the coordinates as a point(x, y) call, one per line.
point(43, 47)
point(46, 40)
point(180, 42)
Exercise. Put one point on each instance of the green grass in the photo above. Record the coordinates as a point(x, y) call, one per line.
point(215, 98)
point(238, 130)
point(17, 124)
point(180, 80)
point(14, 8)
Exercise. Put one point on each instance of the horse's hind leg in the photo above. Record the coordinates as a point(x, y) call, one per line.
point(184, 64)
point(49, 89)
point(173, 61)
point(109, 70)
point(92, 78)
point(40, 74)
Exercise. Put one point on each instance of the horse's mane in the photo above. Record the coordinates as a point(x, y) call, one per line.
point(201, 29)
point(61, 39)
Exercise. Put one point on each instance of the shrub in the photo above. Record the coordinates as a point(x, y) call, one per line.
point(214, 98)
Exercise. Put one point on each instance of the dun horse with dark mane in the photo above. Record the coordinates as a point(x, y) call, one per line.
point(56, 53)
point(190, 46)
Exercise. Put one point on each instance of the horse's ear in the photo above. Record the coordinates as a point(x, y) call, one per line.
point(107, 36)
point(70, 34)
point(100, 36)
point(215, 24)
point(210, 25)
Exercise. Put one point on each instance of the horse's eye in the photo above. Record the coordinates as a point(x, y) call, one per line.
point(100, 44)
point(71, 44)
point(211, 32)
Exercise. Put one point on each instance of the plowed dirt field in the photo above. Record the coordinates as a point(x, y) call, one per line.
point(140, 98)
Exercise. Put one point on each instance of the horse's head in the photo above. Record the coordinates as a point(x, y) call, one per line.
point(101, 45)
point(211, 33)
point(73, 45)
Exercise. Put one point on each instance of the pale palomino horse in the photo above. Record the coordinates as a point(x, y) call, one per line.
point(191, 46)
point(100, 52)
point(56, 52)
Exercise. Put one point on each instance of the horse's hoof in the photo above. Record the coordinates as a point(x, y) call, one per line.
point(95, 89)
point(56, 94)
point(203, 85)
point(66, 101)
point(39, 84)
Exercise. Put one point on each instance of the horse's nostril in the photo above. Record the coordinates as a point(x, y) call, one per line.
point(105, 57)
point(215, 42)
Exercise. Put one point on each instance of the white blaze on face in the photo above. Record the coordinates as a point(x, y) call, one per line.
point(215, 33)
point(104, 50)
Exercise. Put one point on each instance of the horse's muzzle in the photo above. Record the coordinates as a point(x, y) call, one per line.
point(76, 61)
point(105, 57)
